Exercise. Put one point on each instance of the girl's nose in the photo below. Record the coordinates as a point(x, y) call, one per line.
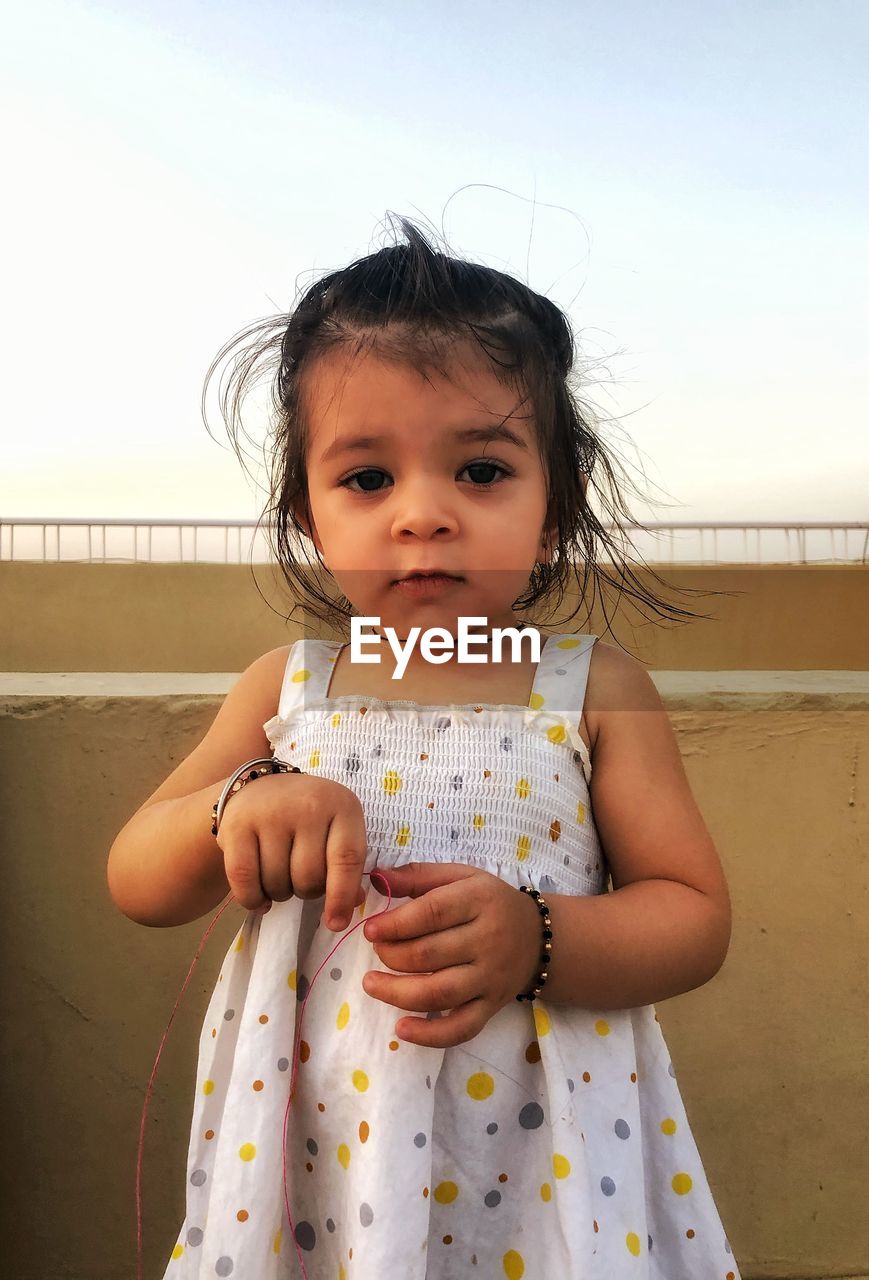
point(423, 513)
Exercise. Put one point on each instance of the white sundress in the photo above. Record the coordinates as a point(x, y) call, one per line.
point(552, 1145)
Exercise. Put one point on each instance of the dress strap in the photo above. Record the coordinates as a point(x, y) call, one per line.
point(562, 675)
point(307, 674)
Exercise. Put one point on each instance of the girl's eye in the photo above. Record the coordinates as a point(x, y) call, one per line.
point(485, 481)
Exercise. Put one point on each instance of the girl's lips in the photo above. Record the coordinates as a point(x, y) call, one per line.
point(432, 584)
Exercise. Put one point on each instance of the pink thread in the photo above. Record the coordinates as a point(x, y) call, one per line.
point(296, 1050)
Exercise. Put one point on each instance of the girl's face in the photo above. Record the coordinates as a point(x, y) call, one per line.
point(406, 474)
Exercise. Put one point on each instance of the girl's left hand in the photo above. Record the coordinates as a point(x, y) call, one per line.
point(473, 939)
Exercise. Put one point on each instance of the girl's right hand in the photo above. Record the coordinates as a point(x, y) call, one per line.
point(289, 833)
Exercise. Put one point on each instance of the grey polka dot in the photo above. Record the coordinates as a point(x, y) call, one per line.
point(607, 1186)
point(588, 868)
point(547, 884)
point(492, 1198)
point(506, 743)
point(492, 1128)
point(198, 1177)
point(457, 782)
point(330, 1225)
point(229, 1015)
point(224, 1267)
point(727, 1246)
point(443, 722)
point(672, 1072)
point(560, 671)
point(312, 1146)
point(623, 1129)
point(378, 750)
point(302, 987)
point(649, 1238)
point(283, 1064)
point(335, 974)
point(571, 1086)
point(428, 1082)
point(454, 835)
point(194, 1237)
point(419, 1140)
point(306, 1236)
point(566, 860)
point(366, 1214)
point(531, 1115)
point(352, 764)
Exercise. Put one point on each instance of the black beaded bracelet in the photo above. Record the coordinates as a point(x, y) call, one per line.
point(546, 956)
point(237, 781)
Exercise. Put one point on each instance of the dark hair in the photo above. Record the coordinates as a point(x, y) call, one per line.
point(414, 304)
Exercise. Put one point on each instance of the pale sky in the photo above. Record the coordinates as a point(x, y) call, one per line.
point(688, 182)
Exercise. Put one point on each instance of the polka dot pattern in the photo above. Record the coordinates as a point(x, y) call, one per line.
point(566, 1122)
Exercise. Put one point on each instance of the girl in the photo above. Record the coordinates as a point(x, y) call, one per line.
point(481, 1086)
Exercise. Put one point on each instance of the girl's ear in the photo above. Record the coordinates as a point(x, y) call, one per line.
point(303, 517)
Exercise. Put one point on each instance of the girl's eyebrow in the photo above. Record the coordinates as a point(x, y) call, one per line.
point(499, 431)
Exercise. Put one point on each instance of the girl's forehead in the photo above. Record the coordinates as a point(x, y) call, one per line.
point(344, 394)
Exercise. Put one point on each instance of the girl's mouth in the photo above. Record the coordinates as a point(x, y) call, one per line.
point(426, 584)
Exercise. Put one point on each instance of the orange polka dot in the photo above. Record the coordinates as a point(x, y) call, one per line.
point(258, 1085)
point(321, 1106)
point(596, 1227)
point(448, 1239)
point(690, 1234)
point(309, 1167)
point(209, 1133)
point(633, 1077)
point(393, 1044)
point(532, 1052)
point(425, 1192)
point(363, 1131)
point(502, 1177)
point(264, 1017)
point(213, 1032)
point(586, 1077)
point(304, 1051)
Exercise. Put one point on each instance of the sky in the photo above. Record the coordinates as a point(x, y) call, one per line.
point(689, 183)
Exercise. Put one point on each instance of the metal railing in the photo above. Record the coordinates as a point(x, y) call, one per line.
point(93, 540)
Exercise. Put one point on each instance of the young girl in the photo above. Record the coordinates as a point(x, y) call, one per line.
point(482, 1086)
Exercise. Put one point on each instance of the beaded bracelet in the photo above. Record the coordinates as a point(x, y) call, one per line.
point(540, 980)
point(237, 781)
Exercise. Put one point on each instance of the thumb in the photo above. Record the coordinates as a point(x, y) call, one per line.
point(415, 878)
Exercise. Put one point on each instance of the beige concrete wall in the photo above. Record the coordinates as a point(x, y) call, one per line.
point(770, 1056)
point(92, 617)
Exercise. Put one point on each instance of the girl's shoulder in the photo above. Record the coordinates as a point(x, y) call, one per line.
point(617, 681)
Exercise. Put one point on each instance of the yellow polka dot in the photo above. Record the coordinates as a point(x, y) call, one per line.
point(247, 1151)
point(342, 1274)
point(580, 813)
point(668, 1125)
point(276, 1243)
point(569, 642)
point(177, 1251)
point(546, 1192)
point(602, 1027)
point(343, 1155)
point(360, 1080)
point(523, 846)
point(336, 720)
point(513, 1264)
point(479, 821)
point(682, 1184)
point(557, 733)
point(391, 782)
point(239, 942)
point(291, 980)
point(523, 788)
point(541, 1019)
point(314, 760)
point(445, 1192)
point(560, 1166)
point(208, 1087)
point(632, 1240)
point(536, 701)
point(343, 1016)
point(403, 836)
point(299, 677)
point(480, 1085)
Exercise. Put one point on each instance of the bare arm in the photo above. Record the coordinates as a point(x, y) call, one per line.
point(665, 928)
point(165, 867)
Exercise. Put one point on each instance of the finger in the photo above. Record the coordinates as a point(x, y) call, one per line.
point(427, 954)
point(275, 856)
point(456, 1027)
point(346, 846)
point(442, 908)
point(308, 859)
point(446, 989)
point(241, 864)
